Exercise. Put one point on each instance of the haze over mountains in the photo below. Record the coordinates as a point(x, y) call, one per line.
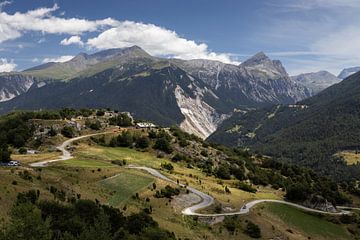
point(348, 71)
point(316, 81)
point(196, 94)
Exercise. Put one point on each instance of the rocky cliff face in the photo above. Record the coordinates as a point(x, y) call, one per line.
point(12, 85)
point(257, 81)
point(200, 118)
point(320, 203)
point(317, 81)
point(197, 94)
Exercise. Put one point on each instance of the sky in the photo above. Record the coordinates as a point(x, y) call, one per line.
point(306, 35)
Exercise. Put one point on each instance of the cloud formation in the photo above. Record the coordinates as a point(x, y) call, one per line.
point(72, 40)
point(58, 59)
point(13, 26)
point(155, 40)
point(7, 66)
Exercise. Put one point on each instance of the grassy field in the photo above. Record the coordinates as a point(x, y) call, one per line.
point(192, 177)
point(297, 220)
point(30, 158)
point(350, 157)
point(86, 163)
point(124, 185)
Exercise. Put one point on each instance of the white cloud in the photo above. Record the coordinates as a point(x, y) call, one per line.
point(58, 59)
point(314, 4)
point(72, 40)
point(12, 26)
point(116, 34)
point(7, 66)
point(4, 3)
point(342, 43)
point(155, 40)
point(35, 60)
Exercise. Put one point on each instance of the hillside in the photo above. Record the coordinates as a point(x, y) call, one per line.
point(98, 181)
point(196, 94)
point(308, 133)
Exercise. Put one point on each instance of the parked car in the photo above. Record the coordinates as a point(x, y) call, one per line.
point(11, 164)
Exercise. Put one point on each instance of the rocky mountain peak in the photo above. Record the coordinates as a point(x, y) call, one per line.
point(257, 59)
point(316, 81)
point(80, 57)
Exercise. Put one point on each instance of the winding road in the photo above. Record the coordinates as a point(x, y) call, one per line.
point(66, 155)
point(207, 200)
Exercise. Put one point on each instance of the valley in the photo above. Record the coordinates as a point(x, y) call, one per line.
point(174, 120)
point(129, 178)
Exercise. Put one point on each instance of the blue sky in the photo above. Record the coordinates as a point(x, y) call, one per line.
point(306, 35)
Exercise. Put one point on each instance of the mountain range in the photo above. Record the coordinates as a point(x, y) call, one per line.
point(196, 94)
point(316, 81)
point(310, 132)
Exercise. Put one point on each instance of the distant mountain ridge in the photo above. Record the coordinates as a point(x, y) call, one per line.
point(316, 81)
point(348, 71)
point(310, 132)
point(196, 94)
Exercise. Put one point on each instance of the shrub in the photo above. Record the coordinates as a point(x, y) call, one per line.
point(167, 166)
point(246, 187)
point(122, 120)
point(167, 192)
point(100, 113)
point(178, 157)
point(68, 132)
point(253, 230)
point(163, 144)
point(223, 172)
point(22, 150)
point(142, 142)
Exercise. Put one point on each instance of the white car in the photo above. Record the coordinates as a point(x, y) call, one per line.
point(13, 163)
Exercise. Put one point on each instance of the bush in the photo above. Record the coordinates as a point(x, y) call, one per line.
point(93, 125)
point(163, 144)
point(100, 113)
point(5, 154)
point(119, 162)
point(167, 192)
point(246, 187)
point(142, 142)
point(223, 172)
point(68, 132)
point(26, 175)
point(125, 139)
point(52, 132)
point(122, 120)
point(22, 150)
point(178, 157)
point(253, 230)
point(167, 166)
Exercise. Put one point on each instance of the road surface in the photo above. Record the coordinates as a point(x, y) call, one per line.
point(66, 155)
point(207, 200)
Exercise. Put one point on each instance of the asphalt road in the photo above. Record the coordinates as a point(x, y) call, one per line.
point(207, 200)
point(66, 155)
